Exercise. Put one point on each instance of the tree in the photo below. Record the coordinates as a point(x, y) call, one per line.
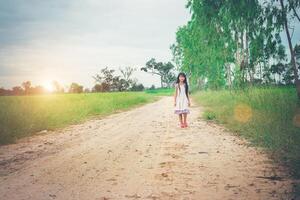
point(163, 70)
point(57, 87)
point(119, 84)
point(279, 69)
point(108, 81)
point(152, 87)
point(293, 5)
point(106, 77)
point(4, 92)
point(75, 88)
point(137, 87)
point(97, 88)
point(170, 79)
point(127, 74)
point(103, 87)
point(27, 86)
point(233, 41)
point(87, 90)
point(288, 75)
point(37, 90)
point(17, 90)
point(284, 20)
point(297, 54)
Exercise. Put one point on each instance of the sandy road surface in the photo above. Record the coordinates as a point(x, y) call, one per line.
point(139, 154)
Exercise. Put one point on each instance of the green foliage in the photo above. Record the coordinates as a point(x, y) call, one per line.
point(163, 70)
point(107, 81)
point(232, 44)
point(161, 91)
point(209, 115)
point(267, 117)
point(137, 87)
point(75, 88)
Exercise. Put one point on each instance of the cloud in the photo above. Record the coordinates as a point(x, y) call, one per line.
point(72, 40)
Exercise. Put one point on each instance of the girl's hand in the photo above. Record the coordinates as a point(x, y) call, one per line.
point(175, 104)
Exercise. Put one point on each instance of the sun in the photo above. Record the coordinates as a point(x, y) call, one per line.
point(48, 86)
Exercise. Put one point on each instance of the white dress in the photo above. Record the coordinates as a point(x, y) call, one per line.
point(181, 100)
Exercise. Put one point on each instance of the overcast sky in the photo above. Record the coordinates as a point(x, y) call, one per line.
point(70, 41)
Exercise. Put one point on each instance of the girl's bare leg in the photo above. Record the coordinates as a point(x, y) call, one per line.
point(184, 118)
point(180, 118)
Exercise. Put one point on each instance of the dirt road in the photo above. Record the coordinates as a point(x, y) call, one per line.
point(139, 154)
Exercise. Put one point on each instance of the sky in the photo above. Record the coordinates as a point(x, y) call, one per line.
point(71, 41)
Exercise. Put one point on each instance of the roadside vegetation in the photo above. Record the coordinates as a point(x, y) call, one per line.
point(268, 117)
point(22, 116)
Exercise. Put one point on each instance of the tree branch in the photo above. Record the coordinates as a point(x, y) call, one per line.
point(295, 13)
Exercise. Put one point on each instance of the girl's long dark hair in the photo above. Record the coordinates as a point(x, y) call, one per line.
point(185, 82)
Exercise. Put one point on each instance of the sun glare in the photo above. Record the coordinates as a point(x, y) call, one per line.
point(48, 86)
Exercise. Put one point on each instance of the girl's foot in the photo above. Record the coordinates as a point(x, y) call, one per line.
point(182, 125)
point(185, 125)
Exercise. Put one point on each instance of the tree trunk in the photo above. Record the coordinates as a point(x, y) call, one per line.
point(247, 55)
point(243, 56)
point(161, 81)
point(293, 60)
point(260, 72)
point(228, 73)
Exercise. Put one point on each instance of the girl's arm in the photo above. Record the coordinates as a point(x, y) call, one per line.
point(175, 95)
point(188, 97)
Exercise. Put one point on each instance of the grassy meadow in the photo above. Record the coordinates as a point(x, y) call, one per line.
point(161, 91)
point(25, 115)
point(268, 117)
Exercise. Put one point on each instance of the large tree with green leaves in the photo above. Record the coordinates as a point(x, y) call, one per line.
point(290, 6)
point(163, 70)
point(234, 42)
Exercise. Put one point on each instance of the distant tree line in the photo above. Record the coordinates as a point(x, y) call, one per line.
point(25, 89)
point(105, 81)
point(108, 81)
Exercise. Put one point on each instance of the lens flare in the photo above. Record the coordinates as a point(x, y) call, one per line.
point(242, 113)
point(48, 86)
point(296, 120)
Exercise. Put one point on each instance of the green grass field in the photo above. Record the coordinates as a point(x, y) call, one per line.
point(25, 115)
point(268, 117)
point(161, 91)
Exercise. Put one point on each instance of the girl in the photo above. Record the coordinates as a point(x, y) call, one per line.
point(181, 99)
